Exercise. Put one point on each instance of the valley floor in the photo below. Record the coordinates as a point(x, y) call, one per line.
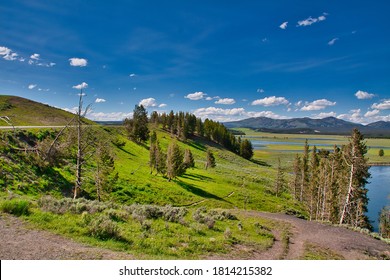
point(20, 241)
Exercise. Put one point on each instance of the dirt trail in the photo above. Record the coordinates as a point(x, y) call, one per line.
point(347, 243)
point(18, 241)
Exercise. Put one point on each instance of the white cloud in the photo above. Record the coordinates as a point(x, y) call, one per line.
point(112, 116)
point(80, 62)
point(225, 101)
point(271, 101)
point(162, 105)
point(223, 115)
point(100, 100)
point(283, 25)
point(32, 86)
point(333, 41)
point(364, 95)
point(83, 85)
point(310, 20)
point(260, 90)
point(148, 102)
point(132, 75)
point(208, 98)
point(317, 105)
point(35, 56)
point(384, 105)
point(353, 116)
point(372, 113)
point(324, 115)
point(196, 95)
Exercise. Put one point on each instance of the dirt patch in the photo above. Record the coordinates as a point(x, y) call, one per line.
point(18, 242)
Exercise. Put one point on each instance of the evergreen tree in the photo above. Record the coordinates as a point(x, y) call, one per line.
point(189, 161)
point(210, 159)
point(246, 149)
point(137, 127)
point(304, 171)
point(355, 204)
point(296, 183)
point(381, 153)
point(313, 183)
point(174, 161)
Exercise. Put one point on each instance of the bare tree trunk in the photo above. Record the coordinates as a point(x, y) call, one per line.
point(349, 194)
point(79, 156)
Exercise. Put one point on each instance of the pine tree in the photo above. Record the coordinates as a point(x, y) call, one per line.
point(174, 161)
point(384, 222)
point(246, 149)
point(304, 171)
point(210, 159)
point(313, 183)
point(296, 183)
point(189, 161)
point(355, 204)
point(137, 127)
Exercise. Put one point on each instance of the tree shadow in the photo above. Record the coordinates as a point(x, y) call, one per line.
point(260, 162)
point(199, 192)
point(125, 151)
point(197, 146)
point(196, 177)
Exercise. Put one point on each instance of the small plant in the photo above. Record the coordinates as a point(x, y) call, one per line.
point(381, 153)
point(16, 207)
point(227, 234)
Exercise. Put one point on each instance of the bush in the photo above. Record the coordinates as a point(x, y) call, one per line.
point(16, 207)
point(103, 227)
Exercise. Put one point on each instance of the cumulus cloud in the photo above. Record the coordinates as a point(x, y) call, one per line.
point(100, 100)
point(208, 98)
point(112, 116)
point(332, 42)
point(283, 25)
point(225, 101)
point(352, 116)
point(364, 95)
point(324, 115)
point(148, 102)
point(223, 115)
point(83, 85)
point(317, 105)
point(384, 105)
point(271, 101)
point(7, 53)
point(32, 86)
point(35, 56)
point(196, 95)
point(162, 105)
point(310, 20)
point(372, 113)
point(78, 62)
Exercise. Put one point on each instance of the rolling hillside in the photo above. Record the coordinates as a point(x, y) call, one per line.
point(23, 111)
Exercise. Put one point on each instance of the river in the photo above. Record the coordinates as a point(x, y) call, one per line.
point(378, 192)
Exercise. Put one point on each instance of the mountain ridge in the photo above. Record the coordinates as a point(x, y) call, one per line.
point(330, 125)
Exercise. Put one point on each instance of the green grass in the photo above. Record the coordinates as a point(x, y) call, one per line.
point(17, 207)
point(22, 111)
point(315, 252)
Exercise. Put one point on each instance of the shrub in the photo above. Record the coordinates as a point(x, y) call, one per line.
point(103, 227)
point(16, 207)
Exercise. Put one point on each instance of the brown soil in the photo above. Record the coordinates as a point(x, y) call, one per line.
point(19, 241)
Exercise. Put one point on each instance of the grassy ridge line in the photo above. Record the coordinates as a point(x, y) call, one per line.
point(24, 112)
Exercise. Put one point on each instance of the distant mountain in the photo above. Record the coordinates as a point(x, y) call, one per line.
point(22, 111)
point(328, 125)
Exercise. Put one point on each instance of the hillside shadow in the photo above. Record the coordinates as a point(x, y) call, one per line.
point(199, 192)
point(196, 177)
point(260, 162)
point(197, 146)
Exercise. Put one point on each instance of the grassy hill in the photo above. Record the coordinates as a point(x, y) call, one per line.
point(23, 111)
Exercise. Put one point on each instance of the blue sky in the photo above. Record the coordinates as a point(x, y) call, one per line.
point(226, 60)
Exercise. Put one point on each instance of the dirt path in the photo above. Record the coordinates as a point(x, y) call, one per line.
point(347, 243)
point(19, 241)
